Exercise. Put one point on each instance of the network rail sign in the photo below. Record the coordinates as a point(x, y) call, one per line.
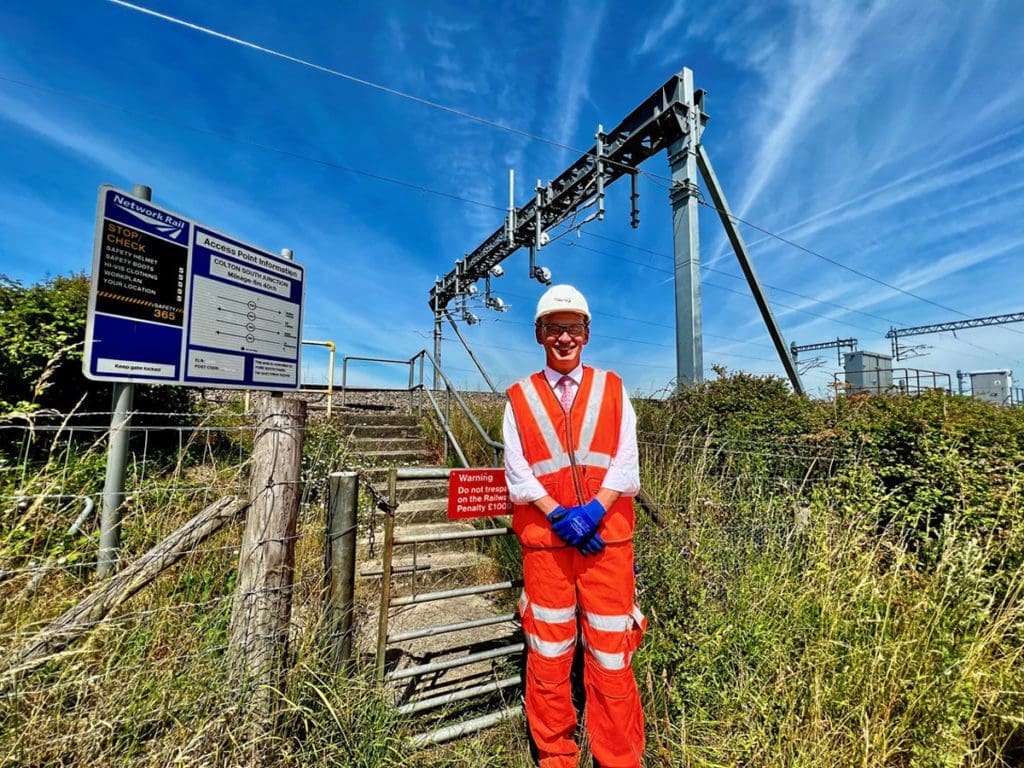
point(173, 302)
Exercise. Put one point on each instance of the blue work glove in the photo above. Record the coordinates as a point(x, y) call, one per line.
point(556, 515)
point(591, 545)
point(575, 524)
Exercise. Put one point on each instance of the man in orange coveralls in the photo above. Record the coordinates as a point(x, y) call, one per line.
point(572, 470)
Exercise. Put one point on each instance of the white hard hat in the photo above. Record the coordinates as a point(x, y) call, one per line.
point(562, 298)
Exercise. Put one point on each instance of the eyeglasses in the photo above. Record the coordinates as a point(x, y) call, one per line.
point(554, 329)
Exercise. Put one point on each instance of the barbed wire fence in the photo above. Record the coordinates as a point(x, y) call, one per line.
point(144, 675)
point(126, 666)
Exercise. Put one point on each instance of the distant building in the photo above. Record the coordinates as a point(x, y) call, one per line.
point(994, 387)
point(868, 372)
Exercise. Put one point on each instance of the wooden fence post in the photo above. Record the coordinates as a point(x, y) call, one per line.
point(261, 610)
point(340, 565)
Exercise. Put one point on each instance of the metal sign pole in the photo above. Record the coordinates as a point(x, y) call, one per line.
point(122, 400)
point(437, 340)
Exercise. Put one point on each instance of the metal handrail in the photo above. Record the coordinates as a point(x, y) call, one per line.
point(446, 427)
point(444, 594)
point(900, 381)
point(421, 356)
point(462, 661)
point(429, 538)
point(459, 626)
point(495, 446)
point(444, 699)
point(331, 347)
point(344, 372)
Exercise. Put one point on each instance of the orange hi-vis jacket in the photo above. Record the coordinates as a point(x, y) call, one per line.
point(569, 453)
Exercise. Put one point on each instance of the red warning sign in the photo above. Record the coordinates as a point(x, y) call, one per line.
point(477, 493)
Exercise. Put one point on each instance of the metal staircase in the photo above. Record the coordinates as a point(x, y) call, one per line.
point(446, 639)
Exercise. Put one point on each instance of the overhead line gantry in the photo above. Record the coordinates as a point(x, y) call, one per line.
point(671, 119)
point(957, 325)
point(838, 344)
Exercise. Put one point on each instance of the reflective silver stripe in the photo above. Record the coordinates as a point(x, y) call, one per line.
point(608, 623)
point(593, 411)
point(554, 615)
point(547, 430)
point(594, 459)
point(560, 458)
point(587, 458)
point(524, 601)
point(550, 648)
point(608, 660)
point(638, 615)
point(548, 466)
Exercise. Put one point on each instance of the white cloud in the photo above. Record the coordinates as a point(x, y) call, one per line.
point(665, 24)
point(581, 28)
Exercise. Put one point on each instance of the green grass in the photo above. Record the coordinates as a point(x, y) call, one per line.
point(835, 584)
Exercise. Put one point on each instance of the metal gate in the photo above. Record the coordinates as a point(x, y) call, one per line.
point(451, 652)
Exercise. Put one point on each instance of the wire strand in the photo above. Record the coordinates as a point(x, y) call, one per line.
point(254, 144)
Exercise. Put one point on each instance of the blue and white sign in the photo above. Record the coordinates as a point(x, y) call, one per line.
point(173, 302)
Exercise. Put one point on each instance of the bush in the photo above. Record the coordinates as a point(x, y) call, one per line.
point(42, 330)
point(42, 338)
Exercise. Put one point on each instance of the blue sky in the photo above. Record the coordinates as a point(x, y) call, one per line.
point(886, 136)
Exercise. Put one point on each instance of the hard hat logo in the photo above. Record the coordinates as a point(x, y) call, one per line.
point(562, 298)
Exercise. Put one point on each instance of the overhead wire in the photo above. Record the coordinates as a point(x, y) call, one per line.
point(249, 142)
point(734, 277)
point(517, 131)
point(775, 236)
point(777, 288)
point(721, 287)
point(509, 128)
point(834, 262)
point(356, 79)
point(804, 296)
point(493, 124)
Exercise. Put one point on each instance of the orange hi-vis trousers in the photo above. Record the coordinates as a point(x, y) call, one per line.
point(560, 587)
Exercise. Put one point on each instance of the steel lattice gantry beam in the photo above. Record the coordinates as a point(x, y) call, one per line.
point(796, 349)
point(647, 130)
point(956, 325)
point(838, 345)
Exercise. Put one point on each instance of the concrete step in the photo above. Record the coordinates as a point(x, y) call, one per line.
point(385, 418)
point(366, 445)
point(409, 491)
point(360, 431)
point(423, 547)
point(386, 458)
point(433, 510)
point(433, 571)
point(405, 655)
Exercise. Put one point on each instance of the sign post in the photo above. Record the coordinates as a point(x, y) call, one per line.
point(122, 398)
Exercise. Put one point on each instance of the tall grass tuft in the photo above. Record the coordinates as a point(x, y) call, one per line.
point(149, 686)
point(838, 617)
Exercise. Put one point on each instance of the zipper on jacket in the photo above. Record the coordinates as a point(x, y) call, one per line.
point(573, 467)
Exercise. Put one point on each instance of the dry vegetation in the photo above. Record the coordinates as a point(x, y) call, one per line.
point(837, 584)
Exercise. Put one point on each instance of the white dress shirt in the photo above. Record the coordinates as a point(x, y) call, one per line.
point(623, 472)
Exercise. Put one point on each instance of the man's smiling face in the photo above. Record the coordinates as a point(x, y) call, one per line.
point(563, 336)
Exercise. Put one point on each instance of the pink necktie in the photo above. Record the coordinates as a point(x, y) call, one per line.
point(565, 384)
